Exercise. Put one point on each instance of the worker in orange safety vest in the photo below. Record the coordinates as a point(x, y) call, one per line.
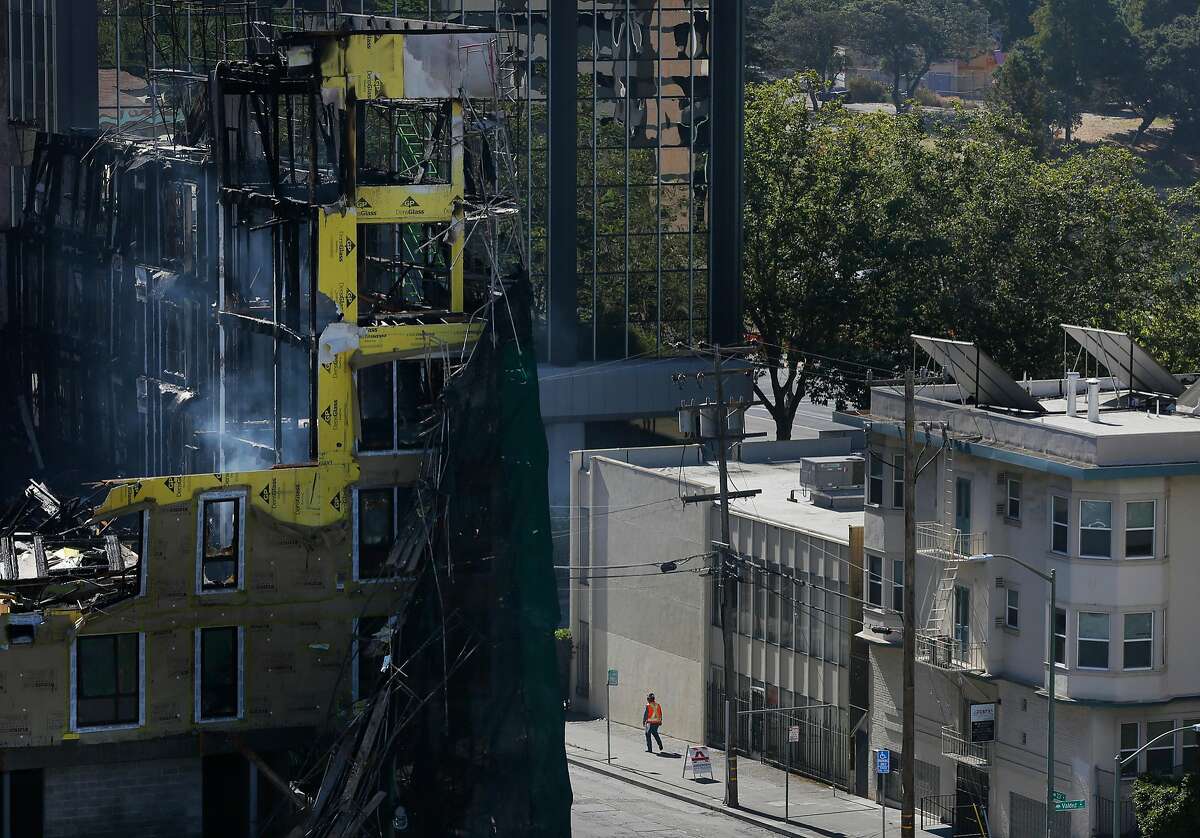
point(652, 720)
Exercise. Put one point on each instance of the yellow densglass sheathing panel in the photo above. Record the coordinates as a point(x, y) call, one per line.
point(407, 204)
point(337, 279)
point(337, 264)
point(335, 411)
point(396, 341)
point(372, 66)
point(311, 496)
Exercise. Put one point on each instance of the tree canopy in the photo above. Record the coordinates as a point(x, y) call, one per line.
point(861, 229)
point(909, 35)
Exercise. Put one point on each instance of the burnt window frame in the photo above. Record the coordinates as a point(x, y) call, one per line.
point(399, 493)
point(406, 418)
point(239, 547)
point(365, 629)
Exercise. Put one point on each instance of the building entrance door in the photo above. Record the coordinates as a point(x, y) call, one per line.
point(962, 619)
point(758, 701)
point(962, 505)
point(971, 788)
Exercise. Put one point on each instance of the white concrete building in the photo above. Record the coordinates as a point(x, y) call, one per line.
point(1112, 506)
point(799, 607)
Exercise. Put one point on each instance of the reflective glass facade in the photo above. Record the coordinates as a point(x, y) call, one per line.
point(641, 144)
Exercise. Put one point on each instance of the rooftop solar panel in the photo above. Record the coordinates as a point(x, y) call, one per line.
point(981, 379)
point(1128, 363)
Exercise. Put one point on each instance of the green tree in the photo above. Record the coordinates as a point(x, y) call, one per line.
point(1167, 807)
point(861, 229)
point(1019, 93)
point(1012, 18)
point(1163, 78)
point(810, 35)
point(804, 232)
point(761, 62)
point(909, 35)
point(1080, 43)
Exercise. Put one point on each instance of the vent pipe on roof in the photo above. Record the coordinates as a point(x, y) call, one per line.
point(1072, 388)
point(1093, 399)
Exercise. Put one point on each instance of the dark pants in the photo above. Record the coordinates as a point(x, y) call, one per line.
point(653, 731)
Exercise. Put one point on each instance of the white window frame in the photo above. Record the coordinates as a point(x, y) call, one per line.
point(1159, 746)
point(1012, 609)
point(1109, 530)
point(1066, 636)
point(1153, 528)
point(1131, 767)
point(144, 558)
point(1066, 525)
point(241, 678)
point(872, 478)
point(141, 722)
point(370, 580)
point(1011, 499)
point(874, 578)
point(394, 449)
point(898, 481)
point(1079, 638)
point(898, 587)
point(1125, 641)
point(234, 494)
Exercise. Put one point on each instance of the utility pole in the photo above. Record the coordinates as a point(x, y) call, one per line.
point(908, 740)
point(728, 593)
point(727, 564)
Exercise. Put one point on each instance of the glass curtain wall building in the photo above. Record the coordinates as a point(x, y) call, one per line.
point(615, 114)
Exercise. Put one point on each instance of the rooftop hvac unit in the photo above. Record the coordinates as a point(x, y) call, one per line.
point(824, 473)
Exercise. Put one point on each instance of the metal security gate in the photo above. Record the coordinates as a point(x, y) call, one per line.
point(1027, 816)
point(964, 821)
point(823, 752)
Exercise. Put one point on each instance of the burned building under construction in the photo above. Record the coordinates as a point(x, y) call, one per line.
point(293, 573)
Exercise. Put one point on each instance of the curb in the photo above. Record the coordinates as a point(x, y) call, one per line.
point(737, 814)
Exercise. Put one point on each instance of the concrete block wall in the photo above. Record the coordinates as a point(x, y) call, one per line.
point(150, 798)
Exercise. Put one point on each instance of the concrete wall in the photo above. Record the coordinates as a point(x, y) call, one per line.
point(651, 629)
point(657, 630)
point(152, 799)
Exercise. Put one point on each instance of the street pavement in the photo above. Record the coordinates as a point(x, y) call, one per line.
point(814, 810)
point(608, 808)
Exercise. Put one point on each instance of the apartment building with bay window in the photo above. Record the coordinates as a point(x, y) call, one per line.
point(1105, 497)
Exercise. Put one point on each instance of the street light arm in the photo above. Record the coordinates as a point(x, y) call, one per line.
point(1121, 762)
point(1027, 566)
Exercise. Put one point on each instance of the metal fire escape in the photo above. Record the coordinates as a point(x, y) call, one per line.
point(946, 642)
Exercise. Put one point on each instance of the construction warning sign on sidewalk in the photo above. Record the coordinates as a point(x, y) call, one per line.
point(697, 760)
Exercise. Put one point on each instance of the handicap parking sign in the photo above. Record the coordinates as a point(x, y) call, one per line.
point(883, 761)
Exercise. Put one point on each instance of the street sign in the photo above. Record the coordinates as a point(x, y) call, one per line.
point(1068, 805)
point(794, 733)
point(983, 722)
point(697, 760)
point(1058, 795)
point(612, 677)
point(883, 761)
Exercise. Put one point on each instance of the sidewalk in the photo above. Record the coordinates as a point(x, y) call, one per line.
point(815, 810)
